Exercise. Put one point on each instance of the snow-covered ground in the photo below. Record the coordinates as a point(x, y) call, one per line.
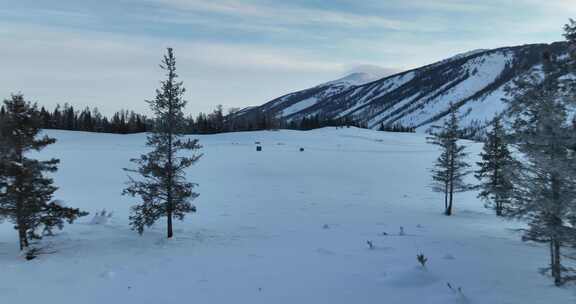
point(278, 226)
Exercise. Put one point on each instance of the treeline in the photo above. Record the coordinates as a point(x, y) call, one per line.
point(235, 120)
point(317, 121)
point(397, 127)
point(66, 117)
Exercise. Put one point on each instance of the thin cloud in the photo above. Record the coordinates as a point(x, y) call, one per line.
point(118, 71)
point(288, 15)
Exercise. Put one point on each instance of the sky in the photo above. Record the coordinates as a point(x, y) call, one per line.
point(105, 53)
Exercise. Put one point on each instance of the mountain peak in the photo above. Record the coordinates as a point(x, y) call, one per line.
point(362, 74)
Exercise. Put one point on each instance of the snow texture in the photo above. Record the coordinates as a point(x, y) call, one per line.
point(278, 226)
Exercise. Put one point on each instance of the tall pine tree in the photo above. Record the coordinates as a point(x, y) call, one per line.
point(545, 186)
point(162, 185)
point(25, 193)
point(495, 170)
point(450, 168)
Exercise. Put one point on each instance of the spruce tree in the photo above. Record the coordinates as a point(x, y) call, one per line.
point(162, 185)
point(495, 170)
point(570, 31)
point(25, 192)
point(450, 168)
point(545, 183)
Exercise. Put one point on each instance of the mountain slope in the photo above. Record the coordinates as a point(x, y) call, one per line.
point(297, 102)
point(474, 82)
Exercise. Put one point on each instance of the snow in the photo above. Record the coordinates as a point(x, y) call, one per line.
point(379, 89)
point(483, 70)
point(278, 226)
point(331, 88)
point(485, 108)
point(467, 54)
point(299, 106)
point(460, 56)
point(354, 79)
point(362, 74)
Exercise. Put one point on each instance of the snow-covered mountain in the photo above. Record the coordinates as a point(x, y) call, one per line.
point(473, 81)
point(294, 103)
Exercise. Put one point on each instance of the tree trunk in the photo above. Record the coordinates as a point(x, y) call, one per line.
point(22, 237)
point(446, 197)
point(449, 209)
point(555, 262)
point(497, 198)
point(451, 184)
point(556, 222)
point(21, 227)
point(499, 206)
point(558, 265)
point(169, 200)
point(169, 228)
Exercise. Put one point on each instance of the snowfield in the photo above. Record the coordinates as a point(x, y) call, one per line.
point(278, 226)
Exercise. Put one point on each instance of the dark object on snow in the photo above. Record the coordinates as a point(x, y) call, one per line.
point(258, 148)
point(456, 290)
point(422, 259)
point(31, 254)
point(370, 244)
point(301, 149)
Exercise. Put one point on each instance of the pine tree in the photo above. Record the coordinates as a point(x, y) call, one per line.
point(495, 170)
point(570, 31)
point(25, 193)
point(450, 167)
point(545, 183)
point(162, 187)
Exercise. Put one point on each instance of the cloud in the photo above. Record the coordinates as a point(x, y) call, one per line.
point(288, 15)
point(118, 71)
point(244, 52)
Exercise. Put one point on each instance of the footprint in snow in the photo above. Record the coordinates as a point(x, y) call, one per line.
point(413, 278)
point(325, 251)
point(110, 275)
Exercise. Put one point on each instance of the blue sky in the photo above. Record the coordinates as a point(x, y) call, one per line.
point(105, 53)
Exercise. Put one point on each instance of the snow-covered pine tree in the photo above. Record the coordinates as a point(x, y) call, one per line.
point(162, 185)
point(495, 170)
point(25, 193)
point(545, 182)
point(450, 168)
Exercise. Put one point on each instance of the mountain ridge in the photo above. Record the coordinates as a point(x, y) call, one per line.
point(473, 81)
